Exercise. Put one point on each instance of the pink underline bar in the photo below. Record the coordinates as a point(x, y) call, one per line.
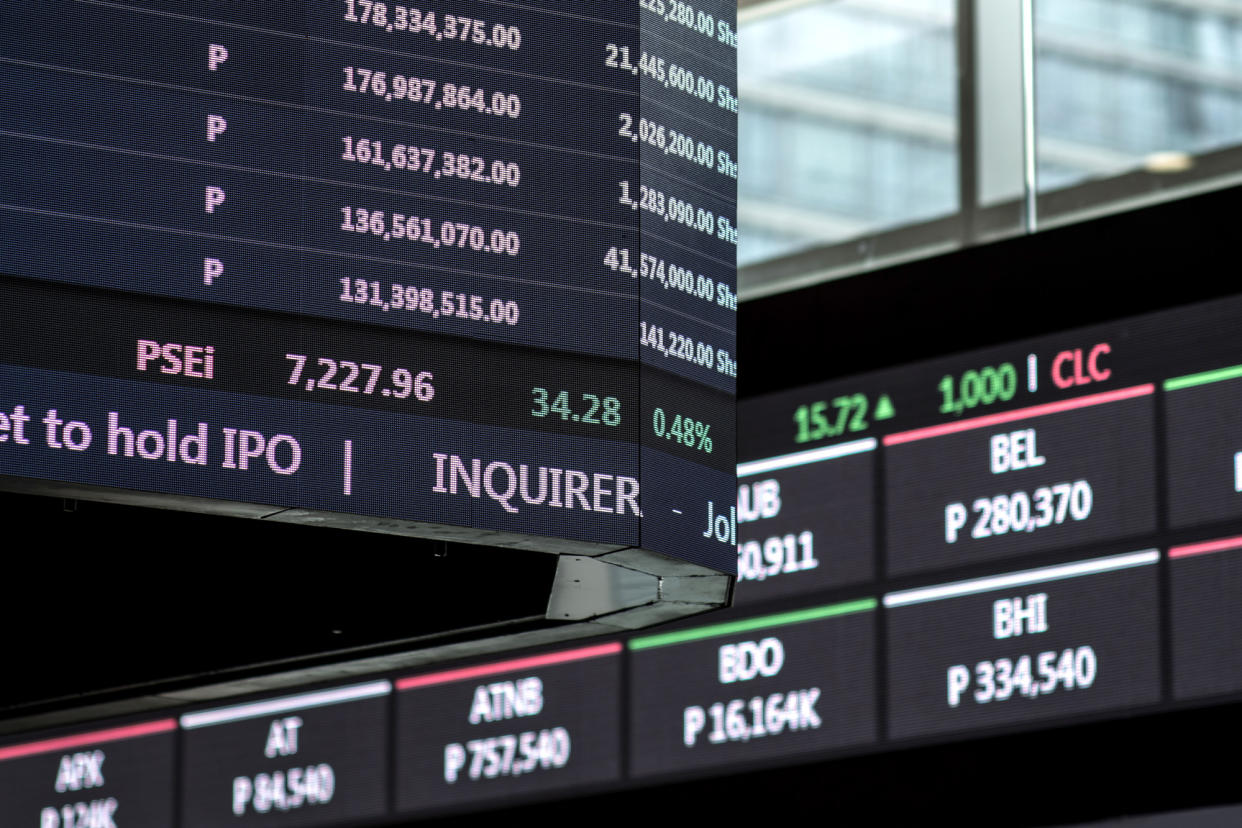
point(114, 734)
point(530, 663)
point(1204, 548)
point(1019, 414)
point(508, 667)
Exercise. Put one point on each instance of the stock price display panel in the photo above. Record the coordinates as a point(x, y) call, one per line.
point(387, 748)
point(1050, 527)
point(1035, 554)
point(458, 264)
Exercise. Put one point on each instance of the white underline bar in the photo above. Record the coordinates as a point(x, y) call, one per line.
point(271, 707)
point(802, 458)
point(1023, 578)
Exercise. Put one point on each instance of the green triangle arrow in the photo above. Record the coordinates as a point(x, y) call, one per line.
point(884, 408)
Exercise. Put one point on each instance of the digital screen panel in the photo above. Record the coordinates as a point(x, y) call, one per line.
point(1040, 643)
point(493, 731)
point(806, 521)
point(120, 775)
point(1074, 472)
point(1095, 589)
point(1206, 591)
point(458, 264)
point(307, 759)
point(1066, 483)
point(773, 686)
point(1203, 424)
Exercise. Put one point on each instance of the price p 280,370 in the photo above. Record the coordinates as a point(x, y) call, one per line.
point(1020, 512)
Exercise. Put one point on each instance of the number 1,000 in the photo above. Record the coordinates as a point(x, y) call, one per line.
point(982, 387)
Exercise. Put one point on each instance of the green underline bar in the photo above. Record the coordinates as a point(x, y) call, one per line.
point(733, 627)
point(1191, 380)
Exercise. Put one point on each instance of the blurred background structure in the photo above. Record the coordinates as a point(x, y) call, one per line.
point(876, 131)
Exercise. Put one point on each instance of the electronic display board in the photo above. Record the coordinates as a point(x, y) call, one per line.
point(492, 731)
point(120, 775)
point(1024, 645)
point(1080, 469)
point(975, 545)
point(1206, 590)
point(784, 503)
point(442, 264)
point(1046, 522)
point(306, 759)
point(1021, 553)
point(773, 686)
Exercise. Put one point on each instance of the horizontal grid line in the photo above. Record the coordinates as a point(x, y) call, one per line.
point(302, 701)
point(95, 737)
point(1025, 577)
point(512, 665)
point(1190, 549)
point(1019, 414)
point(802, 458)
point(767, 621)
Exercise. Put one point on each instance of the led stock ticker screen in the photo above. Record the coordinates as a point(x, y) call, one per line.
point(1029, 520)
point(1042, 533)
point(465, 263)
point(345, 755)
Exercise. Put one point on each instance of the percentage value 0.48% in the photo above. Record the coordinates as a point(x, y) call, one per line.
point(693, 434)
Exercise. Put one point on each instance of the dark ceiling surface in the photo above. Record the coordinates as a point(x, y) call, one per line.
point(105, 600)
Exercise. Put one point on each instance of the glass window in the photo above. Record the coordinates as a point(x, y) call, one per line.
point(847, 123)
point(1131, 94)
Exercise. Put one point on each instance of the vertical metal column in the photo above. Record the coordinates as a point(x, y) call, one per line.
point(1030, 162)
point(967, 121)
